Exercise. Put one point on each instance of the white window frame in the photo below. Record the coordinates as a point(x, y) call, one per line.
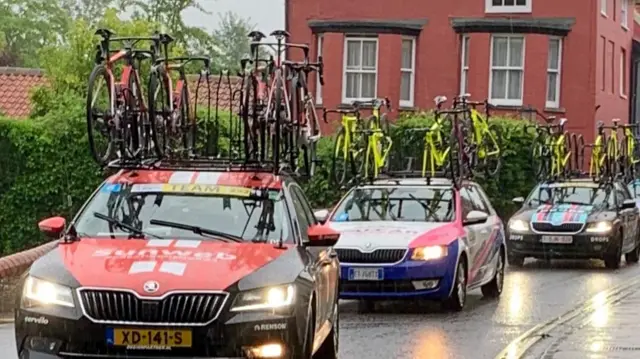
point(507, 102)
point(623, 73)
point(347, 39)
point(464, 69)
point(555, 103)
point(496, 9)
point(320, 43)
point(603, 7)
point(624, 14)
point(412, 71)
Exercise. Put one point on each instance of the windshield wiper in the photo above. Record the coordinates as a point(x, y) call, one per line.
point(197, 230)
point(130, 228)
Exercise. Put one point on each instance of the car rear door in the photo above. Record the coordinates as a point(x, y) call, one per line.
point(483, 234)
point(474, 236)
point(627, 216)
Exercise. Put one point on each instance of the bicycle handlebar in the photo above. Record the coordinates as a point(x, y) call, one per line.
point(185, 60)
point(355, 112)
point(374, 102)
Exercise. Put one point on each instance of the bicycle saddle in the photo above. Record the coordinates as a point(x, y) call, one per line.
point(257, 35)
point(464, 95)
point(563, 121)
point(166, 38)
point(280, 33)
point(615, 121)
point(600, 124)
point(440, 99)
point(105, 33)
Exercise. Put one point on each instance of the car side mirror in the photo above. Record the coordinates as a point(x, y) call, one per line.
point(321, 215)
point(52, 227)
point(475, 217)
point(322, 236)
point(518, 200)
point(628, 204)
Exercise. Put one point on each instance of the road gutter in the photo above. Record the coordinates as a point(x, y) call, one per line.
point(520, 346)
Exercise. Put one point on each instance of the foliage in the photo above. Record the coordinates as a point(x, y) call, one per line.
point(232, 41)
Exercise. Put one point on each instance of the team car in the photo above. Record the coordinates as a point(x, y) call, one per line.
point(575, 219)
point(184, 264)
point(404, 238)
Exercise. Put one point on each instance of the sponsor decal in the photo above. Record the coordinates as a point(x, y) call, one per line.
point(208, 189)
point(148, 347)
point(516, 237)
point(270, 327)
point(385, 230)
point(39, 320)
point(165, 250)
point(599, 239)
point(561, 213)
point(111, 188)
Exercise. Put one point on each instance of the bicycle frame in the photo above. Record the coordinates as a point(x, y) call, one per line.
point(560, 155)
point(127, 71)
point(480, 129)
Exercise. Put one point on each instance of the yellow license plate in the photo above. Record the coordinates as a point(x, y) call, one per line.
point(149, 338)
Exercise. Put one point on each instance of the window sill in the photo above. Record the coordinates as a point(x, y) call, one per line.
point(407, 109)
point(506, 104)
point(604, 14)
point(624, 27)
point(347, 106)
point(624, 96)
point(318, 105)
point(555, 110)
point(507, 10)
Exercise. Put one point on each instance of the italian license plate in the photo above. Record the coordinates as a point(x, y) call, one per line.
point(557, 239)
point(149, 338)
point(366, 274)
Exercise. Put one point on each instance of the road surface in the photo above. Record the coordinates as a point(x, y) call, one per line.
point(533, 294)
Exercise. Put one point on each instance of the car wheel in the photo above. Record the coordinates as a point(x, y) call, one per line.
point(515, 261)
point(458, 297)
point(493, 289)
point(366, 306)
point(329, 348)
point(634, 255)
point(305, 350)
point(612, 261)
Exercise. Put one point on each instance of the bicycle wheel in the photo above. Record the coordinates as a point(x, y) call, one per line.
point(134, 128)
point(624, 162)
point(186, 119)
point(578, 154)
point(603, 161)
point(159, 110)
point(311, 137)
point(277, 131)
point(537, 158)
point(455, 167)
point(613, 159)
point(491, 163)
point(100, 126)
point(341, 159)
point(567, 168)
point(254, 129)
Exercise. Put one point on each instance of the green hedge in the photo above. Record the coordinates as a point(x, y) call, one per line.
point(47, 170)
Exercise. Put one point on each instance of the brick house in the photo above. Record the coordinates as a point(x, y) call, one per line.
point(565, 57)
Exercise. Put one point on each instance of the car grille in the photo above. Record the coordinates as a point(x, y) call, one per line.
point(109, 306)
point(562, 228)
point(377, 256)
point(383, 286)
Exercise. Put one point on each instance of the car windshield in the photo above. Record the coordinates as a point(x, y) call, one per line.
point(185, 212)
point(416, 204)
point(634, 188)
point(572, 194)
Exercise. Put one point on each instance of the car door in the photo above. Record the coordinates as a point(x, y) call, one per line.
point(490, 231)
point(321, 257)
point(474, 236)
point(626, 216)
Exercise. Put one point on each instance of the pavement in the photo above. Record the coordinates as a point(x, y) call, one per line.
point(532, 295)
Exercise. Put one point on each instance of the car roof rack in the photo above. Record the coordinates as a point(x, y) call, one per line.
point(198, 163)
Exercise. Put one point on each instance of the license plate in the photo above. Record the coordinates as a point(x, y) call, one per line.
point(557, 239)
point(149, 338)
point(366, 274)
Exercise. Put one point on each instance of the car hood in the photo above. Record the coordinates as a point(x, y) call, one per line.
point(368, 236)
point(174, 264)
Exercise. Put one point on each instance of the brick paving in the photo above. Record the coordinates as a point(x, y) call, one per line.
point(611, 332)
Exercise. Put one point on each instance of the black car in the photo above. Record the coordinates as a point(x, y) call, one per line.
point(575, 219)
point(184, 264)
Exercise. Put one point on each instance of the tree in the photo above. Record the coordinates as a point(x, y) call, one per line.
point(91, 11)
point(232, 42)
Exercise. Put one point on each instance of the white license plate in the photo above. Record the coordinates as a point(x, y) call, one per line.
point(366, 274)
point(557, 239)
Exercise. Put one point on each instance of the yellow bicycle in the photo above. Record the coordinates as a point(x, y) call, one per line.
point(604, 153)
point(362, 146)
point(627, 153)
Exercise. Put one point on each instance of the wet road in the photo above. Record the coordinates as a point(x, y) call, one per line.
point(536, 293)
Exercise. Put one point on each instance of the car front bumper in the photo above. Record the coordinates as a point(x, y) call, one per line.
point(405, 280)
point(228, 337)
point(582, 246)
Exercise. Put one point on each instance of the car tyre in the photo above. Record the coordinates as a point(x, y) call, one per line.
point(330, 346)
point(493, 289)
point(458, 297)
point(515, 260)
point(305, 350)
point(612, 261)
point(634, 255)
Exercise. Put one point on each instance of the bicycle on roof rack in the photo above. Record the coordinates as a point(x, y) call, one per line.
point(555, 153)
point(122, 126)
point(174, 124)
point(610, 159)
point(362, 145)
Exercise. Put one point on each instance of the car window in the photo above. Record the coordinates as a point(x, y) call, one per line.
point(478, 204)
point(302, 219)
point(467, 203)
point(244, 212)
point(484, 198)
point(568, 193)
point(388, 203)
point(620, 196)
point(308, 211)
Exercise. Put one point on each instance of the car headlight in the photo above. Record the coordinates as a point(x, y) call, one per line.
point(518, 225)
point(429, 253)
point(600, 227)
point(41, 292)
point(265, 298)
